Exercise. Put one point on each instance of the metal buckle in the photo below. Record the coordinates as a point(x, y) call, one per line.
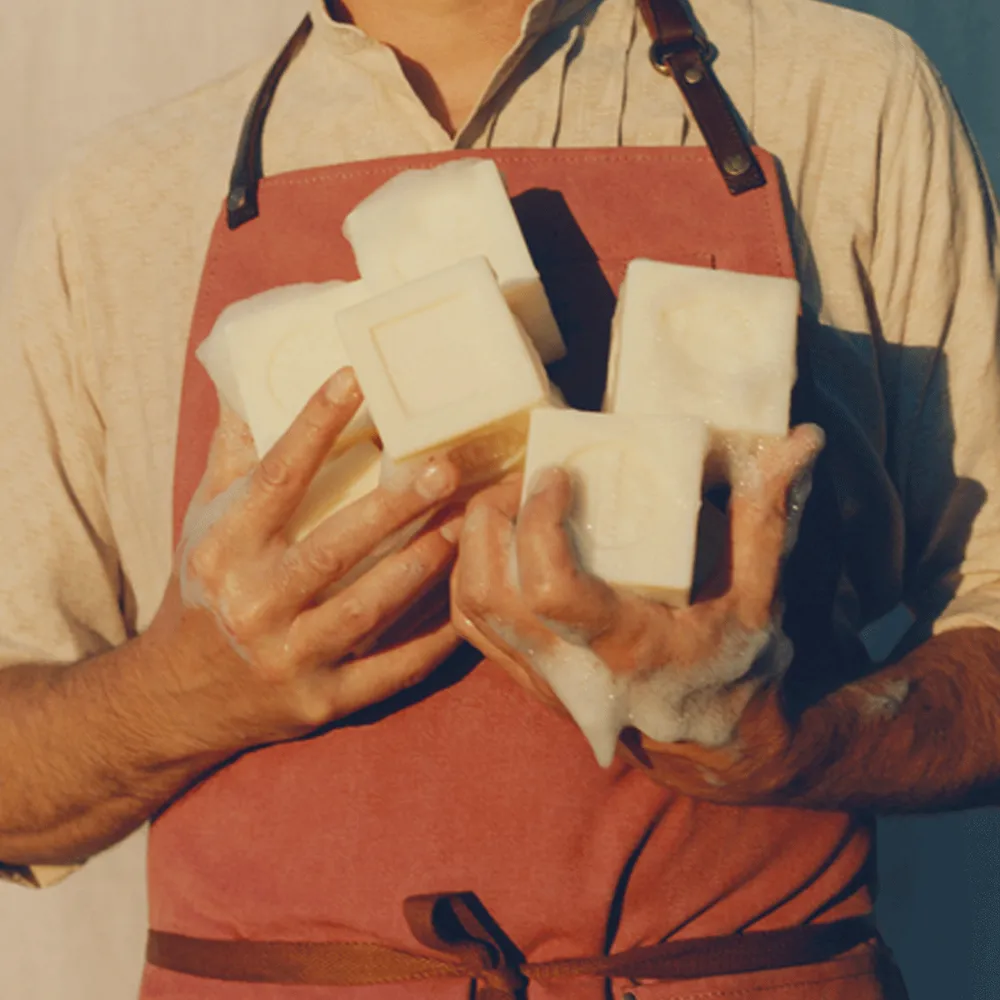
point(661, 52)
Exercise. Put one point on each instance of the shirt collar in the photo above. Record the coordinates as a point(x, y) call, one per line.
point(540, 17)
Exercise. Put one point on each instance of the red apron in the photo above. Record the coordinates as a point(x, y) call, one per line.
point(466, 783)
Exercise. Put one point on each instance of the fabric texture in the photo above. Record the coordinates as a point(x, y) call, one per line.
point(893, 233)
point(458, 779)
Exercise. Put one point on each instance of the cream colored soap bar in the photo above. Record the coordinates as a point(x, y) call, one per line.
point(714, 344)
point(270, 353)
point(487, 456)
point(637, 494)
point(425, 220)
point(340, 481)
point(442, 358)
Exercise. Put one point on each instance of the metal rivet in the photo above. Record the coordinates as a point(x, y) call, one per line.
point(738, 163)
point(659, 58)
point(693, 75)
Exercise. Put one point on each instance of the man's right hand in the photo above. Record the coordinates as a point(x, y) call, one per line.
point(246, 621)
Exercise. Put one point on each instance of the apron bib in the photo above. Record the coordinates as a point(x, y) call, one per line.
point(464, 784)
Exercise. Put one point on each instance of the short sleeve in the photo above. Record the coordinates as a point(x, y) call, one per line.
point(935, 285)
point(60, 580)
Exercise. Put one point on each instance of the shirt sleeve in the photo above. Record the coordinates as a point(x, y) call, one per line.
point(60, 579)
point(935, 284)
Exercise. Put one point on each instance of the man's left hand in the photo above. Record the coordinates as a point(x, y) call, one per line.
point(518, 593)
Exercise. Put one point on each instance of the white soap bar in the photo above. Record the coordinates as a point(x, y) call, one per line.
point(486, 457)
point(714, 344)
point(339, 482)
point(213, 353)
point(270, 353)
point(637, 494)
point(424, 220)
point(441, 358)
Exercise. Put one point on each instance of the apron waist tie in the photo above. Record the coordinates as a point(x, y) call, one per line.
point(457, 925)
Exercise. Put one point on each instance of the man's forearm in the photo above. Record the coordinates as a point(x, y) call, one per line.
point(921, 735)
point(89, 752)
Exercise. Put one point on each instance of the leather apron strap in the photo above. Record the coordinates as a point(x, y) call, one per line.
point(679, 49)
point(472, 946)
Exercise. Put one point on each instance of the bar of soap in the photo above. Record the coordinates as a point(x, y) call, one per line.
point(719, 345)
point(214, 351)
point(442, 358)
point(425, 220)
point(484, 458)
point(339, 482)
point(637, 494)
point(270, 353)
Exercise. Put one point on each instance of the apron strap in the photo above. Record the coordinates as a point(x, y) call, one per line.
point(679, 50)
point(248, 169)
point(472, 946)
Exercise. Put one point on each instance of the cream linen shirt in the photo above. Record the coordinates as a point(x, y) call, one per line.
point(895, 239)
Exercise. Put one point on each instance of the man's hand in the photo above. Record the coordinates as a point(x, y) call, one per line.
point(243, 651)
point(520, 596)
point(262, 621)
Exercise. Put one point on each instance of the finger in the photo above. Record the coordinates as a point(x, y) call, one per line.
point(779, 463)
point(359, 683)
point(344, 539)
point(551, 580)
point(346, 621)
point(504, 496)
point(431, 610)
point(759, 521)
point(794, 455)
point(280, 481)
point(481, 580)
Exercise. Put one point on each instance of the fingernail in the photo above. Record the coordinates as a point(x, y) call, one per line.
point(451, 530)
point(342, 386)
point(434, 482)
point(545, 479)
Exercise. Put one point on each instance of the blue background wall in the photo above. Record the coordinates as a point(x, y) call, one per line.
point(940, 903)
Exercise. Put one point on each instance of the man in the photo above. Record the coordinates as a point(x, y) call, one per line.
point(118, 698)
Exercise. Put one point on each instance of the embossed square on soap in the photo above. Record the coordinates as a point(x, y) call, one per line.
point(425, 220)
point(440, 358)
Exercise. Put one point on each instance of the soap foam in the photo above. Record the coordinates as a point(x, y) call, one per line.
point(701, 703)
point(596, 698)
point(199, 520)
